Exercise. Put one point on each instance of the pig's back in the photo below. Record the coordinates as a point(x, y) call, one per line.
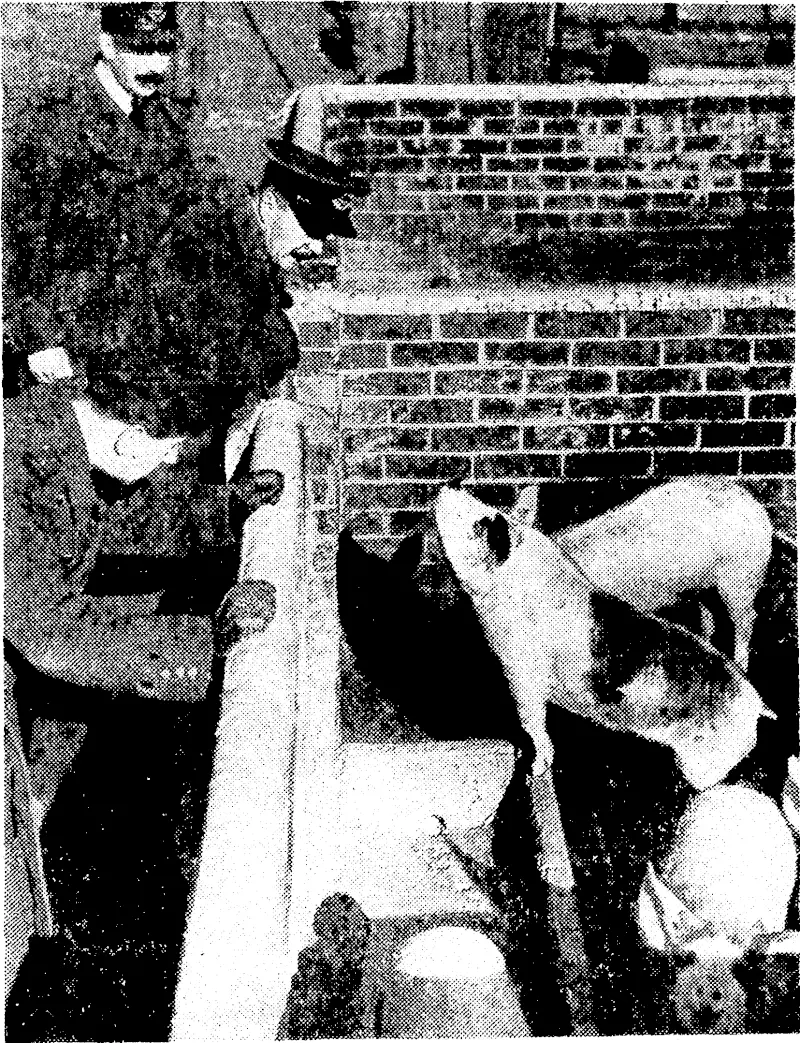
point(673, 538)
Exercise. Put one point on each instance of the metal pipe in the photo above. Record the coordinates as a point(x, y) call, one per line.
point(266, 45)
point(235, 969)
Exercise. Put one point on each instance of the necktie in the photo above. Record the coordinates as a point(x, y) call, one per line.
point(139, 112)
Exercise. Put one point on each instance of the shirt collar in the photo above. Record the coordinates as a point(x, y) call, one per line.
point(122, 99)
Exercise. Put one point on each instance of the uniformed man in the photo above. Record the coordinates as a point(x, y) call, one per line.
point(107, 196)
point(302, 201)
point(124, 665)
point(96, 177)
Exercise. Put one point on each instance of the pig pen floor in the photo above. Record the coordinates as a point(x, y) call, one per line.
point(119, 856)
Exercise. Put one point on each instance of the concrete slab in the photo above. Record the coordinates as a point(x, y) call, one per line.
point(393, 803)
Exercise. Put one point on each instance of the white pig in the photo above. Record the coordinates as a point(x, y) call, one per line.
point(690, 534)
point(561, 640)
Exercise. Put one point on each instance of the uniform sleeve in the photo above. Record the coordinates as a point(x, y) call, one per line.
point(275, 334)
point(28, 192)
point(69, 635)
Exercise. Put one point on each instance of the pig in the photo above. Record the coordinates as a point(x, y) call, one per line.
point(722, 890)
point(562, 640)
point(692, 534)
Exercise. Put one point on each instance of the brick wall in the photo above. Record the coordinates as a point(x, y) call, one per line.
point(592, 393)
point(645, 166)
point(624, 392)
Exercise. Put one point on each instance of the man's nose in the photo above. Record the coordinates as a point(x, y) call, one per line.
point(295, 233)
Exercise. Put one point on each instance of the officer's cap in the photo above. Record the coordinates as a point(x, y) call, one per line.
point(141, 26)
point(316, 188)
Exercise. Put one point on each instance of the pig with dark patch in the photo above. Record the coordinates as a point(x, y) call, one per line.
point(561, 640)
point(415, 631)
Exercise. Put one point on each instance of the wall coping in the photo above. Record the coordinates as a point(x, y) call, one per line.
point(236, 967)
point(331, 93)
point(698, 75)
point(326, 305)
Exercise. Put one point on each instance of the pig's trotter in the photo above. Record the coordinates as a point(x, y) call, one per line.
point(553, 859)
point(743, 624)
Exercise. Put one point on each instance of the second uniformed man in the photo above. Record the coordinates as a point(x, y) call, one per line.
point(96, 177)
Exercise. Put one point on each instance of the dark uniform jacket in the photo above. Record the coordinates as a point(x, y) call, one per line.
point(66, 650)
point(55, 525)
point(122, 237)
point(90, 196)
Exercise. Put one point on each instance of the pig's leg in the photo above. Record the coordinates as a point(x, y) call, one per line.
point(742, 567)
point(744, 632)
point(532, 713)
point(523, 646)
point(531, 683)
point(707, 623)
point(738, 588)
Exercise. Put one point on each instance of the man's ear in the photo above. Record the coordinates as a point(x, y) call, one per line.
point(406, 558)
point(107, 47)
point(268, 209)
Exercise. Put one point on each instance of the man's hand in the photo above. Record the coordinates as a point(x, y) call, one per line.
point(248, 608)
point(50, 365)
point(252, 491)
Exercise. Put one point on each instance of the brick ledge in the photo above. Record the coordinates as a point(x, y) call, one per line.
point(326, 305)
point(333, 93)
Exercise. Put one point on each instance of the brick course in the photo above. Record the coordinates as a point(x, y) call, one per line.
point(693, 164)
point(502, 398)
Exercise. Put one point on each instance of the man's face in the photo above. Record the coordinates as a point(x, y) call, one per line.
point(141, 73)
point(287, 242)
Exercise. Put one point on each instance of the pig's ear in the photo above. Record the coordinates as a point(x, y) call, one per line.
point(498, 537)
point(406, 558)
